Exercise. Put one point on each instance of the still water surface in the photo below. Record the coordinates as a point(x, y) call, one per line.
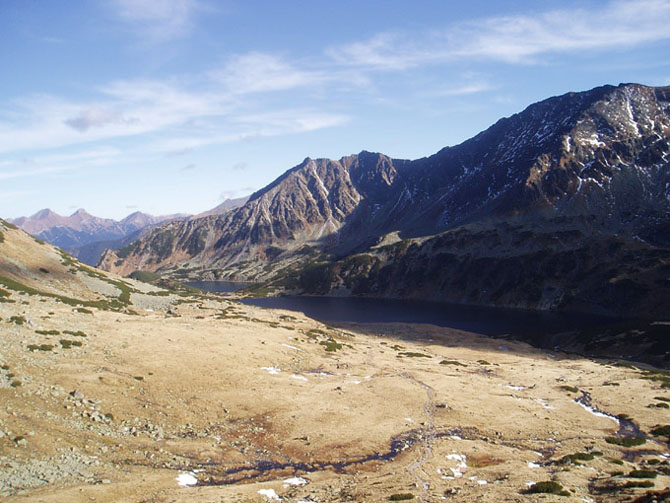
point(534, 326)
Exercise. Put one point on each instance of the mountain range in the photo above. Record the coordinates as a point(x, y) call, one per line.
point(86, 236)
point(565, 205)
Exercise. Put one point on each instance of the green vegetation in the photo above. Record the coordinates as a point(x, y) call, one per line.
point(17, 320)
point(661, 431)
point(412, 354)
point(662, 398)
point(638, 483)
point(401, 497)
point(331, 345)
point(642, 474)
point(452, 362)
point(47, 332)
point(67, 343)
point(145, 276)
point(15, 384)
point(615, 461)
point(483, 362)
point(548, 487)
point(626, 441)
point(317, 278)
point(40, 347)
point(2, 238)
point(77, 333)
point(138, 378)
point(579, 456)
point(8, 225)
point(570, 389)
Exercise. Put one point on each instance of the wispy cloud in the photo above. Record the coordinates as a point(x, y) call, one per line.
point(260, 72)
point(467, 88)
point(516, 39)
point(158, 20)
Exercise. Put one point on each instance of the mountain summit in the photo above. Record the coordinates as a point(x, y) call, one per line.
point(576, 186)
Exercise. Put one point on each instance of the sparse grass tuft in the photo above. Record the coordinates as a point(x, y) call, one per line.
point(412, 354)
point(626, 441)
point(47, 332)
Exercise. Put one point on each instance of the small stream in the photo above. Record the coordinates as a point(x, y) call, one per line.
point(627, 428)
point(259, 469)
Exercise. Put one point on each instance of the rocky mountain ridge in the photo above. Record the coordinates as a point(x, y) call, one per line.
point(571, 174)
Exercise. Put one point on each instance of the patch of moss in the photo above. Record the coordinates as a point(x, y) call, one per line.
point(412, 354)
point(40, 347)
point(15, 384)
point(483, 362)
point(17, 320)
point(73, 333)
point(547, 487)
point(661, 431)
point(47, 332)
point(662, 398)
point(67, 343)
point(626, 441)
point(401, 497)
point(577, 457)
point(615, 461)
point(638, 483)
point(570, 389)
point(642, 474)
point(452, 362)
point(331, 345)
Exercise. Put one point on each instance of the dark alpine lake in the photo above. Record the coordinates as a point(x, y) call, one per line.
point(538, 327)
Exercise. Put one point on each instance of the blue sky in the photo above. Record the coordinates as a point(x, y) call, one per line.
point(124, 105)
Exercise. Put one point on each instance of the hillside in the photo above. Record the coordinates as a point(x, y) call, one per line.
point(565, 205)
point(118, 391)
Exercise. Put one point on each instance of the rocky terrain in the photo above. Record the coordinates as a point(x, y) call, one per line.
point(563, 206)
point(113, 390)
point(87, 237)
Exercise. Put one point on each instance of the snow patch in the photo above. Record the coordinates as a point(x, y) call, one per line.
point(272, 370)
point(533, 465)
point(269, 494)
point(186, 479)
point(291, 347)
point(295, 481)
point(300, 378)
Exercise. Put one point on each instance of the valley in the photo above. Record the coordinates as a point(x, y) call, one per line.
point(116, 390)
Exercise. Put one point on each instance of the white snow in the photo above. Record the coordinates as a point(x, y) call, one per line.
point(272, 370)
point(300, 378)
point(186, 479)
point(597, 413)
point(291, 347)
point(533, 465)
point(295, 481)
point(462, 465)
point(516, 388)
point(543, 403)
point(269, 494)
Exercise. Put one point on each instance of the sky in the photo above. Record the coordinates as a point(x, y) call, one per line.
point(159, 106)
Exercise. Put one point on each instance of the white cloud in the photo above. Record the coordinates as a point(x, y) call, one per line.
point(260, 72)
point(468, 88)
point(516, 39)
point(158, 20)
